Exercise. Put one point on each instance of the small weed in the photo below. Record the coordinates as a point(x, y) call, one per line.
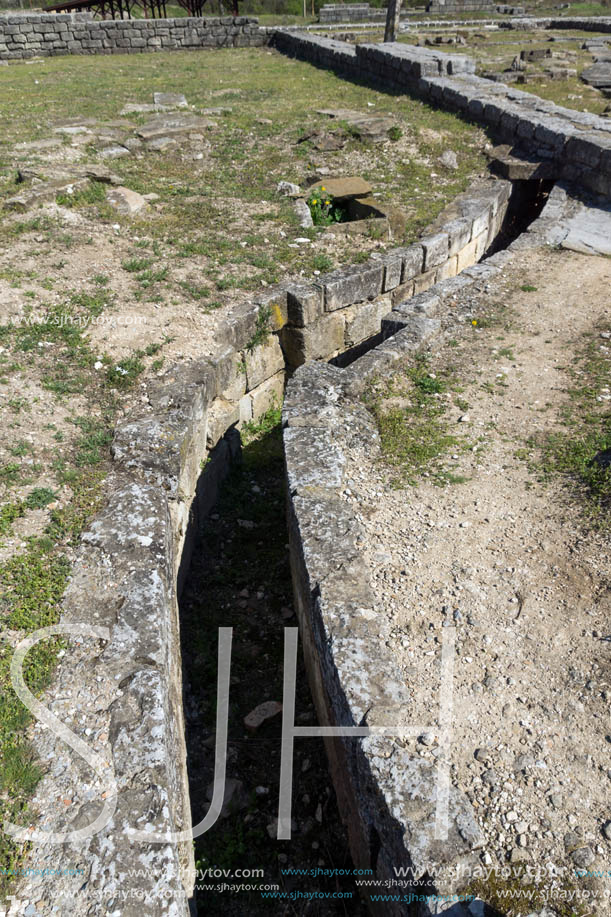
point(528, 288)
point(395, 133)
point(262, 330)
point(322, 263)
point(123, 374)
point(323, 208)
point(93, 303)
point(136, 265)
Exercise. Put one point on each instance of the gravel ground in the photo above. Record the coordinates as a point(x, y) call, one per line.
point(510, 564)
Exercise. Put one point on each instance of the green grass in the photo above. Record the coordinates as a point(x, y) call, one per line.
point(95, 193)
point(567, 452)
point(411, 418)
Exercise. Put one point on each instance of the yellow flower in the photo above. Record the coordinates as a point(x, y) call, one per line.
point(327, 202)
point(323, 189)
point(474, 322)
point(314, 201)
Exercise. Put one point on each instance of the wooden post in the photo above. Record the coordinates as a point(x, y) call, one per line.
point(392, 20)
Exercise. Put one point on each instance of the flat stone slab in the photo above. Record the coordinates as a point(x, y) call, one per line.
point(590, 231)
point(345, 188)
point(508, 164)
point(599, 75)
point(368, 127)
point(171, 125)
point(170, 99)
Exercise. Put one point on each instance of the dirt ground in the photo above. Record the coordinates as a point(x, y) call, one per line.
point(519, 572)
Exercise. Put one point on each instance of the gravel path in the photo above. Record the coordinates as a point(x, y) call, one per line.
point(509, 563)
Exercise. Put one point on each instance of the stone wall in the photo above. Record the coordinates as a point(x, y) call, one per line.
point(349, 12)
point(458, 6)
point(576, 146)
point(31, 35)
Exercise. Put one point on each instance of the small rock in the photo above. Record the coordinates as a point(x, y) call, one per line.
point(482, 755)
point(287, 188)
point(125, 201)
point(607, 830)
point(303, 213)
point(427, 738)
point(449, 160)
point(583, 857)
point(262, 713)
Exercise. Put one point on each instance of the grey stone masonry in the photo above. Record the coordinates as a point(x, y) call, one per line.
point(31, 35)
point(575, 144)
point(349, 12)
point(458, 6)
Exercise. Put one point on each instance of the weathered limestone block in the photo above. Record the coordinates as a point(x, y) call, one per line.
point(364, 320)
point(472, 252)
point(448, 269)
point(304, 304)
point(424, 281)
point(435, 250)
point(353, 284)
point(267, 395)
point(263, 361)
point(321, 340)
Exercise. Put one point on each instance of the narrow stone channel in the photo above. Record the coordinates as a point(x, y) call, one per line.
point(240, 578)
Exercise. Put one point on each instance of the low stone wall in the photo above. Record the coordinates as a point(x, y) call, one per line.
point(386, 796)
point(458, 6)
point(576, 145)
point(32, 35)
point(349, 12)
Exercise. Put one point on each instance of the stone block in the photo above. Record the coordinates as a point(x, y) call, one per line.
point(413, 260)
point(267, 395)
point(321, 340)
point(364, 320)
point(459, 233)
point(263, 362)
point(448, 269)
point(353, 284)
point(304, 304)
point(435, 250)
point(424, 281)
point(472, 252)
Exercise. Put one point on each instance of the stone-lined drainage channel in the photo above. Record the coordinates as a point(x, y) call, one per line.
point(240, 578)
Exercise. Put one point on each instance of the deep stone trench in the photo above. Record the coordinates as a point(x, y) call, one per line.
point(239, 576)
point(527, 200)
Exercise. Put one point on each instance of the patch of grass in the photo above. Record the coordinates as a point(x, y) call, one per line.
point(94, 193)
point(92, 303)
point(9, 513)
point(123, 374)
point(572, 452)
point(322, 262)
point(409, 412)
point(255, 429)
point(136, 265)
point(528, 288)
